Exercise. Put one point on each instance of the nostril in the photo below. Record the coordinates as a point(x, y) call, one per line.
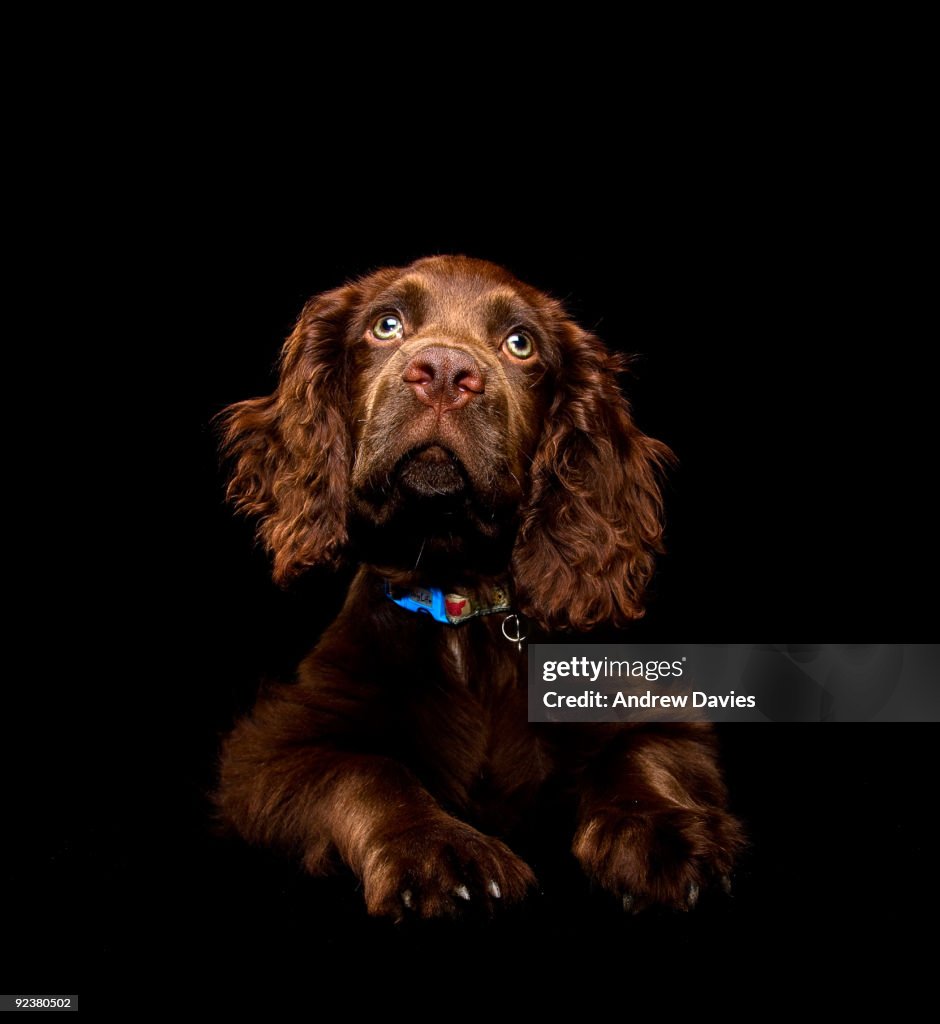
point(470, 380)
point(418, 373)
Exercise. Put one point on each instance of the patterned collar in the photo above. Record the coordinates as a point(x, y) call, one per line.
point(452, 608)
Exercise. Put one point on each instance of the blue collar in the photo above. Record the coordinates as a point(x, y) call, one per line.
point(451, 609)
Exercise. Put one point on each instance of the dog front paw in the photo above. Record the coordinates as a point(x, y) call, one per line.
point(447, 870)
point(664, 856)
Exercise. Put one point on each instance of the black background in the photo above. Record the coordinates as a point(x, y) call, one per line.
point(777, 358)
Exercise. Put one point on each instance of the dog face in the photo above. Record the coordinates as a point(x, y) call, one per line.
point(454, 366)
point(446, 418)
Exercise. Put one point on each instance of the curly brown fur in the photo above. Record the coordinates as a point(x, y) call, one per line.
point(477, 437)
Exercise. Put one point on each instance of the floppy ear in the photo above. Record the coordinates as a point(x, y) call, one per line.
point(291, 450)
point(587, 541)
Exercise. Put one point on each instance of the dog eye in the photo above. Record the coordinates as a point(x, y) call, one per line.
point(519, 345)
point(388, 328)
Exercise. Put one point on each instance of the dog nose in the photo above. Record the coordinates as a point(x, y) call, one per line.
point(445, 377)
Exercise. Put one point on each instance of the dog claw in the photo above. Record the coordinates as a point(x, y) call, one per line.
point(463, 892)
point(628, 902)
point(407, 898)
point(693, 896)
point(495, 891)
point(726, 884)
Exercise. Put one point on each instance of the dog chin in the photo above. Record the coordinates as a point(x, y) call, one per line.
point(430, 512)
point(432, 473)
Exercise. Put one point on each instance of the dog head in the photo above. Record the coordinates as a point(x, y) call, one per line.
point(446, 419)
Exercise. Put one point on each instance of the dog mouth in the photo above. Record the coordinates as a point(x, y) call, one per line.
point(428, 508)
point(431, 471)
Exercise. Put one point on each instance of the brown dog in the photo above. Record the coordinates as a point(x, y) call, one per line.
point(451, 429)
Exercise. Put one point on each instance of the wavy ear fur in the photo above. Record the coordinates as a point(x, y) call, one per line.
point(587, 542)
point(291, 450)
